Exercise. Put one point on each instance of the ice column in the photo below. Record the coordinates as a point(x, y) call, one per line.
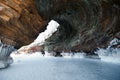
point(5, 51)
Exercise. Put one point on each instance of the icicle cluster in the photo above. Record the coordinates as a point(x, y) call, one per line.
point(5, 51)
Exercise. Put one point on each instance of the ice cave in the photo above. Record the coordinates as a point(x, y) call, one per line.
point(59, 40)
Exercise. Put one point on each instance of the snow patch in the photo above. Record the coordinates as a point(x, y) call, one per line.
point(22, 57)
point(73, 55)
point(110, 54)
point(51, 54)
point(51, 28)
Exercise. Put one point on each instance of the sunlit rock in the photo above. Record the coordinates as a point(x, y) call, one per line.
point(19, 21)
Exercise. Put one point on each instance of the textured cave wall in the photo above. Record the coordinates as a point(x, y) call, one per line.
point(20, 22)
point(85, 24)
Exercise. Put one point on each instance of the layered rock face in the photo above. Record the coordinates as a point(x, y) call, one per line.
point(19, 22)
point(85, 24)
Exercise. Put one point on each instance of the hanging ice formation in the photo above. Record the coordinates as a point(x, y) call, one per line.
point(5, 51)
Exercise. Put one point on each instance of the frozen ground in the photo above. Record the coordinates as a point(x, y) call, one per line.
point(35, 67)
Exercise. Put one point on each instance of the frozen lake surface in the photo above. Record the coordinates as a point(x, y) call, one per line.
point(39, 68)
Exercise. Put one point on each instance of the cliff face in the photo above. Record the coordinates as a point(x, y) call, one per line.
point(84, 24)
point(19, 22)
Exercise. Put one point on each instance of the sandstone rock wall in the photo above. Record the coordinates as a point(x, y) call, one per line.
point(19, 22)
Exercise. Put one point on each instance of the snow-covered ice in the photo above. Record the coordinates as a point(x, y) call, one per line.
point(73, 55)
point(36, 67)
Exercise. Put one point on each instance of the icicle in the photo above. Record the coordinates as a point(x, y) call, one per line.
point(5, 51)
point(1, 51)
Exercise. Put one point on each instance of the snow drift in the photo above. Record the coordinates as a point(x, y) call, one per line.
point(51, 28)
